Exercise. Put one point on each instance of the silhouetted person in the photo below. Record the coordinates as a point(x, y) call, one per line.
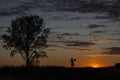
point(72, 60)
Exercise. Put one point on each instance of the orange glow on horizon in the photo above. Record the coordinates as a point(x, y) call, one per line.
point(95, 65)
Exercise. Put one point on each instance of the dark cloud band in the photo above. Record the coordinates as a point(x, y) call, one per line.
point(112, 51)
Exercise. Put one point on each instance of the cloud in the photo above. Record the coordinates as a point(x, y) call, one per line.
point(84, 35)
point(70, 34)
point(59, 27)
point(99, 31)
point(2, 29)
point(112, 51)
point(18, 9)
point(114, 39)
point(95, 26)
point(59, 46)
point(100, 55)
point(52, 50)
point(5, 13)
point(67, 40)
point(94, 55)
point(116, 33)
point(78, 43)
point(60, 37)
point(82, 50)
point(103, 17)
point(57, 41)
point(116, 19)
point(70, 43)
point(99, 41)
point(69, 49)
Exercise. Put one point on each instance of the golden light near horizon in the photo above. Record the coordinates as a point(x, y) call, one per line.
point(95, 65)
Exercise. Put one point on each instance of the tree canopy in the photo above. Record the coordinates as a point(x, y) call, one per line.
point(27, 36)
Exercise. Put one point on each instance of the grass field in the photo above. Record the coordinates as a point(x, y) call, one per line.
point(59, 73)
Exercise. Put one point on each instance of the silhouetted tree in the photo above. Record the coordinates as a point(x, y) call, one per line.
point(27, 35)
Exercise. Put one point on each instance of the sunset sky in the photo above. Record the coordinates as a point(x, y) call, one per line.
point(88, 37)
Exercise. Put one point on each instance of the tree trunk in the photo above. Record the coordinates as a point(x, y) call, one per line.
point(27, 61)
